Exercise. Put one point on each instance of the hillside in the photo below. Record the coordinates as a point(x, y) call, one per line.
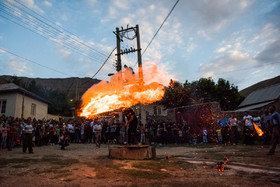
point(245, 92)
point(72, 86)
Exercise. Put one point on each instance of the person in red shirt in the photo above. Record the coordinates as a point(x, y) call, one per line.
point(11, 137)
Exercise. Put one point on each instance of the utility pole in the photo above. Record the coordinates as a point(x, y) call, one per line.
point(121, 35)
point(119, 61)
point(141, 81)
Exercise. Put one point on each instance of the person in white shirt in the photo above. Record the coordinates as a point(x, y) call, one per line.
point(98, 130)
point(257, 120)
point(248, 129)
point(233, 123)
point(275, 123)
point(27, 136)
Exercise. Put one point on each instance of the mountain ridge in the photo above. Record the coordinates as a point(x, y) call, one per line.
point(74, 87)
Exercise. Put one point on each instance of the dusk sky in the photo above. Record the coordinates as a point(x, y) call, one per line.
point(238, 40)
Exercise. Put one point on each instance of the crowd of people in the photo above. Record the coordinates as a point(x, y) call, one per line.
point(29, 132)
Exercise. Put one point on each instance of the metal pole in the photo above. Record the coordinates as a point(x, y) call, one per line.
point(119, 62)
point(141, 82)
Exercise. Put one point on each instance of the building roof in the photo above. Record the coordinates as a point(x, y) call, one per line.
point(261, 96)
point(11, 87)
point(252, 107)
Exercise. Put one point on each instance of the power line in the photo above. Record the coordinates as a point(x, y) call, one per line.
point(71, 35)
point(101, 66)
point(104, 62)
point(50, 24)
point(159, 28)
point(34, 62)
point(71, 41)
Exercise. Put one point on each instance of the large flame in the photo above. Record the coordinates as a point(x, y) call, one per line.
point(123, 90)
point(258, 129)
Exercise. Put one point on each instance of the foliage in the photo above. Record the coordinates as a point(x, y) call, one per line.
point(202, 91)
point(58, 102)
point(176, 95)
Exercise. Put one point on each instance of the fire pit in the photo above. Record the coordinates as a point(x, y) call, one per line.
point(133, 152)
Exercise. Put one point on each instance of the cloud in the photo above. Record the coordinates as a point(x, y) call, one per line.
point(31, 4)
point(227, 62)
point(270, 55)
point(203, 34)
point(64, 52)
point(269, 34)
point(191, 46)
point(214, 14)
point(47, 4)
point(223, 49)
point(19, 66)
point(117, 7)
point(91, 2)
point(2, 51)
point(64, 17)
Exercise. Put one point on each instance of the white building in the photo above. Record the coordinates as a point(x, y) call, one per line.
point(18, 102)
point(153, 111)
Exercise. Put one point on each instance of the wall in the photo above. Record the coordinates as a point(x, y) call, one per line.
point(41, 108)
point(14, 106)
point(10, 105)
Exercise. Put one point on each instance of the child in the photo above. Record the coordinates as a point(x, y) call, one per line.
point(219, 134)
point(63, 140)
point(204, 136)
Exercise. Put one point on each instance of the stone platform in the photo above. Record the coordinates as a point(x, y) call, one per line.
point(133, 152)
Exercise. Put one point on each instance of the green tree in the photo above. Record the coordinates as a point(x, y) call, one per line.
point(204, 90)
point(176, 95)
point(228, 95)
point(18, 82)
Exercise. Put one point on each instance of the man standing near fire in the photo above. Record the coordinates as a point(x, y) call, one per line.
point(131, 124)
point(27, 136)
point(98, 130)
point(223, 122)
point(275, 123)
point(248, 129)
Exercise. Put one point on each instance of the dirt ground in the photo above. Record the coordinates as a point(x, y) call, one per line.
point(175, 165)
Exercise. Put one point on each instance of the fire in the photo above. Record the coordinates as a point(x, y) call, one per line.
point(258, 129)
point(123, 90)
point(220, 165)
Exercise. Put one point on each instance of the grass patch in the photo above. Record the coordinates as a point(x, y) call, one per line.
point(57, 160)
point(20, 174)
point(153, 165)
point(91, 164)
point(4, 162)
point(241, 173)
point(65, 162)
point(69, 179)
point(183, 164)
point(18, 160)
point(61, 176)
point(201, 145)
point(54, 159)
point(19, 166)
point(49, 158)
point(56, 170)
point(114, 166)
point(144, 174)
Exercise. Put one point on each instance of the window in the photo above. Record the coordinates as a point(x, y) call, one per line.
point(3, 104)
point(33, 109)
point(159, 110)
point(155, 110)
